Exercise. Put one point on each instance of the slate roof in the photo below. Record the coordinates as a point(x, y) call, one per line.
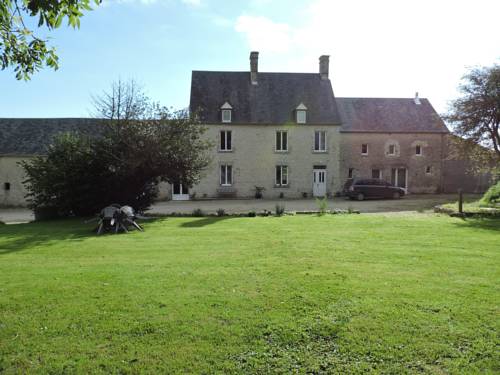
point(389, 115)
point(29, 136)
point(272, 101)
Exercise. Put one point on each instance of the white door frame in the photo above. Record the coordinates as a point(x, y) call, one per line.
point(183, 196)
point(319, 188)
point(396, 179)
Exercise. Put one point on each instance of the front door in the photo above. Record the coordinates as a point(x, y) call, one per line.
point(319, 182)
point(398, 177)
point(180, 192)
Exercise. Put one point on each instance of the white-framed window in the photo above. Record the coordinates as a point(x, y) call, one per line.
point(226, 115)
point(226, 175)
point(418, 150)
point(301, 116)
point(376, 173)
point(226, 140)
point(391, 150)
point(281, 175)
point(320, 141)
point(364, 149)
point(281, 140)
point(226, 112)
point(428, 170)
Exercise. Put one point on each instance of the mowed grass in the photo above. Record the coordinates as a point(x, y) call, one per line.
point(302, 294)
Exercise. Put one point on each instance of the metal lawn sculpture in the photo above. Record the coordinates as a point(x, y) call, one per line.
point(117, 218)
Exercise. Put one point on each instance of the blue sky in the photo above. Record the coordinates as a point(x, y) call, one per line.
point(384, 48)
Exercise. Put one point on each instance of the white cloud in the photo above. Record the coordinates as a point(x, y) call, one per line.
point(384, 47)
point(263, 34)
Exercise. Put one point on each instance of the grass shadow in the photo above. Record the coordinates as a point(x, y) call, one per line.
point(205, 221)
point(484, 223)
point(18, 237)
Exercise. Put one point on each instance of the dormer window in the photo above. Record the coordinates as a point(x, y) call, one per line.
point(301, 114)
point(226, 112)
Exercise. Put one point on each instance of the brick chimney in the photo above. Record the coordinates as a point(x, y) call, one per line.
point(324, 62)
point(254, 67)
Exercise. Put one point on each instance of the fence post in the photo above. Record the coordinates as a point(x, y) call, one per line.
point(460, 201)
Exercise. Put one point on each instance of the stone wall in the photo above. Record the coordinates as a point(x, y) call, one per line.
point(419, 180)
point(11, 173)
point(253, 158)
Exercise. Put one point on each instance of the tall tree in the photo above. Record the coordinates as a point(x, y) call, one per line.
point(20, 48)
point(475, 117)
point(134, 145)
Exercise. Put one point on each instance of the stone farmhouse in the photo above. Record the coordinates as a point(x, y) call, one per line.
point(285, 133)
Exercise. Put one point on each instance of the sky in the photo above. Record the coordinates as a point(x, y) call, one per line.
point(382, 48)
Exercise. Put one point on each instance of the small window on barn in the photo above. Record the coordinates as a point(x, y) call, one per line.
point(428, 169)
point(6, 186)
point(418, 150)
point(392, 150)
point(301, 114)
point(376, 173)
point(350, 174)
point(226, 112)
point(364, 149)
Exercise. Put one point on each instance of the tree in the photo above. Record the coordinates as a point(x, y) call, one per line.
point(19, 46)
point(124, 162)
point(475, 117)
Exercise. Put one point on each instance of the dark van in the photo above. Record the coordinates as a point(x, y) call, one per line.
point(367, 188)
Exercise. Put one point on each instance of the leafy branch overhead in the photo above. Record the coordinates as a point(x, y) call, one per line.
point(20, 48)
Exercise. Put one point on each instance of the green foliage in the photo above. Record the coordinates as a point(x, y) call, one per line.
point(124, 163)
point(198, 212)
point(492, 196)
point(475, 119)
point(322, 205)
point(19, 47)
point(279, 210)
point(221, 212)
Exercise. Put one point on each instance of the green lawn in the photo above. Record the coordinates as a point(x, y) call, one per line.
point(298, 294)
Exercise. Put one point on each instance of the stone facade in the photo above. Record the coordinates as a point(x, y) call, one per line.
point(12, 190)
point(254, 159)
point(424, 170)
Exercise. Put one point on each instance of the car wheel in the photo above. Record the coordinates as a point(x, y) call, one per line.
point(396, 195)
point(360, 196)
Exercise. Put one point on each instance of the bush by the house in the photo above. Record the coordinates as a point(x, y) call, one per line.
point(322, 205)
point(221, 212)
point(138, 146)
point(198, 212)
point(280, 210)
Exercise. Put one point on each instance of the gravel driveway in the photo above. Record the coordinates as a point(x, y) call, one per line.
point(409, 203)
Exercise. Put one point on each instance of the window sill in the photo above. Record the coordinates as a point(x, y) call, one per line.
point(364, 154)
point(281, 186)
point(320, 152)
point(281, 151)
point(225, 151)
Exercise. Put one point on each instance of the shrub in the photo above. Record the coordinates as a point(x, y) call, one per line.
point(258, 191)
point(198, 213)
point(304, 194)
point(221, 212)
point(282, 195)
point(279, 210)
point(322, 205)
point(492, 196)
point(252, 214)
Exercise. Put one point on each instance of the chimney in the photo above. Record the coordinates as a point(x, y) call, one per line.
point(417, 99)
point(324, 62)
point(254, 67)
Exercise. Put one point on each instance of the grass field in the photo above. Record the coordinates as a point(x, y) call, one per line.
point(300, 294)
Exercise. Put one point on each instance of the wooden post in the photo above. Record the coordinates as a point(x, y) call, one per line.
point(460, 201)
